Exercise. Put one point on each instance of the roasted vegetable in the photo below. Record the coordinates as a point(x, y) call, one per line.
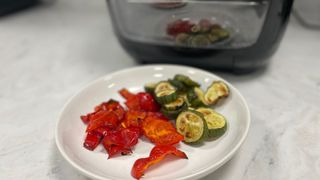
point(220, 32)
point(216, 91)
point(182, 39)
point(179, 26)
point(181, 88)
point(175, 105)
point(199, 41)
point(217, 124)
point(139, 102)
point(157, 154)
point(201, 34)
point(186, 80)
point(120, 141)
point(103, 119)
point(173, 109)
point(192, 126)
point(133, 119)
point(196, 97)
point(213, 38)
point(205, 25)
point(165, 93)
point(160, 132)
point(104, 107)
point(92, 140)
point(147, 102)
point(195, 28)
point(150, 87)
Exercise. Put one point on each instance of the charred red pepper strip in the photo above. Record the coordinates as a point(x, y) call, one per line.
point(126, 94)
point(86, 118)
point(103, 119)
point(111, 105)
point(147, 102)
point(140, 102)
point(114, 150)
point(179, 26)
point(132, 100)
point(157, 154)
point(134, 118)
point(92, 140)
point(102, 131)
point(121, 141)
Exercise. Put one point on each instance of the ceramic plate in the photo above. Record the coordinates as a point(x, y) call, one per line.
point(203, 159)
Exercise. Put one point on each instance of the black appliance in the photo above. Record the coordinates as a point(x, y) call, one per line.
point(224, 34)
point(9, 6)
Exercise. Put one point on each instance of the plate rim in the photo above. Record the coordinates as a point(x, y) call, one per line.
point(196, 175)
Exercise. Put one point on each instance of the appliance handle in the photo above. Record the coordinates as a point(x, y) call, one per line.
point(224, 2)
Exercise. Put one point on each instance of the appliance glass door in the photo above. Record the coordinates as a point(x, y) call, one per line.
point(157, 22)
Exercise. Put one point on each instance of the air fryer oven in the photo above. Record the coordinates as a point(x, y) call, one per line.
point(254, 30)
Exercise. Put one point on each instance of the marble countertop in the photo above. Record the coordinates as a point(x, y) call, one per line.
point(48, 52)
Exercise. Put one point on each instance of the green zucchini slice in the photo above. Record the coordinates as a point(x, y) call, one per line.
point(150, 87)
point(186, 80)
point(199, 41)
point(192, 126)
point(221, 33)
point(216, 91)
point(217, 124)
point(185, 98)
point(196, 97)
point(165, 93)
point(175, 105)
point(182, 39)
point(173, 113)
point(181, 88)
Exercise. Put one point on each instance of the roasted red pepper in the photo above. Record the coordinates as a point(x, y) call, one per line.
point(158, 115)
point(86, 118)
point(179, 26)
point(120, 141)
point(160, 132)
point(134, 118)
point(92, 140)
point(139, 102)
point(103, 119)
point(111, 105)
point(126, 94)
point(147, 102)
point(157, 154)
point(102, 131)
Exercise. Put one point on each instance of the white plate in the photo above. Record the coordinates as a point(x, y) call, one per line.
point(202, 160)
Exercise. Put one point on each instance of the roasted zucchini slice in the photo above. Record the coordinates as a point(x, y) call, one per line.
point(217, 124)
point(185, 98)
point(175, 105)
point(221, 33)
point(150, 87)
point(182, 39)
point(172, 111)
point(196, 97)
point(181, 88)
point(199, 41)
point(186, 80)
point(165, 93)
point(216, 91)
point(192, 126)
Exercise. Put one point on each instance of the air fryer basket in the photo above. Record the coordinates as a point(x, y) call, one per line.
point(141, 21)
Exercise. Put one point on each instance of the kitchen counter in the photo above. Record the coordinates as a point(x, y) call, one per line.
point(50, 51)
